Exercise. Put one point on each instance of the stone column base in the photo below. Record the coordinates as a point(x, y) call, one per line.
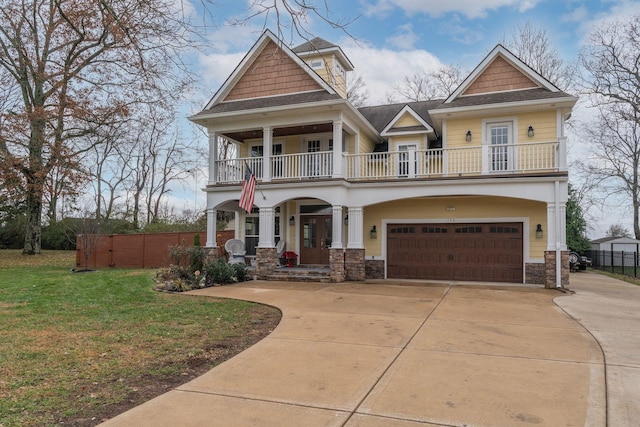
point(535, 273)
point(337, 265)
point(550, 269)
point(354, 264)
point(266, 262)
point(214, 253)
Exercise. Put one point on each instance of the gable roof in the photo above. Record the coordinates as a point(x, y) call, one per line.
point(321, 46)
point(266, 39)
point(381, 116)
point(501, 53)
point(393, 128)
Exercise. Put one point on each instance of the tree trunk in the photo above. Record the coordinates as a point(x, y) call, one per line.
point(33, 229)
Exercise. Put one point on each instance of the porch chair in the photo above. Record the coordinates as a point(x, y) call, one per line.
point(236, 251)
point(280, 250)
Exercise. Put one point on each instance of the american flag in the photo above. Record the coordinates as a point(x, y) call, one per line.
point(248, 190)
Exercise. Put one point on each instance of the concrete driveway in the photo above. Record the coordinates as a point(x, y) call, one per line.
point(400, 354)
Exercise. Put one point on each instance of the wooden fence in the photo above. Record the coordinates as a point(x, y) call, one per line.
point(136, 250)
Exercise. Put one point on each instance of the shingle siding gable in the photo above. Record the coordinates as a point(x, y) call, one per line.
point(272, 73)
point(500, 76)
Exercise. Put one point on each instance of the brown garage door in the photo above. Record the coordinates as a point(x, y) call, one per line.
point(489, 252)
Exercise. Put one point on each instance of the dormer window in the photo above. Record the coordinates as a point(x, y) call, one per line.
point(316, 63)
point(339, 70)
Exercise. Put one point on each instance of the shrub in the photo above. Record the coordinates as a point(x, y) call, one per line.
point(197, 257)
point(240, 271)
point(179, 254)
point(219, 272)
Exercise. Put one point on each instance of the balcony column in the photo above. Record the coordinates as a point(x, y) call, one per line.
point(336, 238)
point(267, 142)
point(211, 228)
point(355, 228)
point(337, 150)
point(213, 157)
point(562, 154)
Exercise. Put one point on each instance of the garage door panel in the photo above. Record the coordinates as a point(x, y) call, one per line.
point(477, 252)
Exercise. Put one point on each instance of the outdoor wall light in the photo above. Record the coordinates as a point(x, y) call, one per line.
point(530, 131)
point(292, 220)
point(468, 136)
point(346, 220)
point(373, 233)
point(539, 232)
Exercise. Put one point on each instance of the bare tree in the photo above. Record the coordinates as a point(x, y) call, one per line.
point(357, 92)
point(534, 46)
point(611, 60)
point(618, 230)
point(428, 86)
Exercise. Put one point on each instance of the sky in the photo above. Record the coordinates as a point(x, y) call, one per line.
point(387, 40)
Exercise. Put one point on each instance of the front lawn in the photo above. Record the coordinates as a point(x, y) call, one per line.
point(82, 347)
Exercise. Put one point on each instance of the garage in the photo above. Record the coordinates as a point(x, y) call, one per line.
point(487, 252)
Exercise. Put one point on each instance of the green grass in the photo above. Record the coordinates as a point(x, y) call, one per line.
point(72, 342)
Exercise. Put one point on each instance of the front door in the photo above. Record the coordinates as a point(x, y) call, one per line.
point(407, 165)
point(316, 234)
point(500, 138)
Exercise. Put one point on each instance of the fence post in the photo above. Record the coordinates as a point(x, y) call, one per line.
point(622, 255)
point(612, 261)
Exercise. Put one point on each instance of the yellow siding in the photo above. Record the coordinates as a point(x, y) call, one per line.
point(543, 122)
point(544, 125)
point(366, 145)
point(327, 73)
point(406, 120)
point(465, 207)
point(457, 132)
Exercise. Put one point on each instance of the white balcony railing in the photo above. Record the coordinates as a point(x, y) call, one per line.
point(467, 161)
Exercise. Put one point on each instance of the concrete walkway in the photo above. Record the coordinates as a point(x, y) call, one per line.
point(413, 354)
point(610, 310)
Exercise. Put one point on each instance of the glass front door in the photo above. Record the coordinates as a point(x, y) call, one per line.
point(315, 233)
point(500, 139)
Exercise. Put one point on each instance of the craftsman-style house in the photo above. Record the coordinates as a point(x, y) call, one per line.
point(468, 188)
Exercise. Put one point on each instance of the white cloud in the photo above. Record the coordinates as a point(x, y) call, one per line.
point(469, 8)
point(579, 14)
point(405, 38)
point(382, 69)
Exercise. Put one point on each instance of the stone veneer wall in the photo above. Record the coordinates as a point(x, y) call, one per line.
point(550, 269)
point(266, 262)
point(374, 269)
point(354, 264)
point(337, 265)
point(535, 273)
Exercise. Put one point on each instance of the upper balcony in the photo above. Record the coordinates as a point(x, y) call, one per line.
point(462, 163)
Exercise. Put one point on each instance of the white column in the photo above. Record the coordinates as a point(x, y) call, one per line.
point(211, 228)
point(551, 226)
point(267, 141)
point(355, 228)
point(337, 150)
point(562, 227)
point(562, 154)
point(213, 156)
point(267, 231)
point(336, 238)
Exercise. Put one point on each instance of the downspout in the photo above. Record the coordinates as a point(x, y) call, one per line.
point(557, 232)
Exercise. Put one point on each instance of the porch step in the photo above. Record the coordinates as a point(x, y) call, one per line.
point(301, 274)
